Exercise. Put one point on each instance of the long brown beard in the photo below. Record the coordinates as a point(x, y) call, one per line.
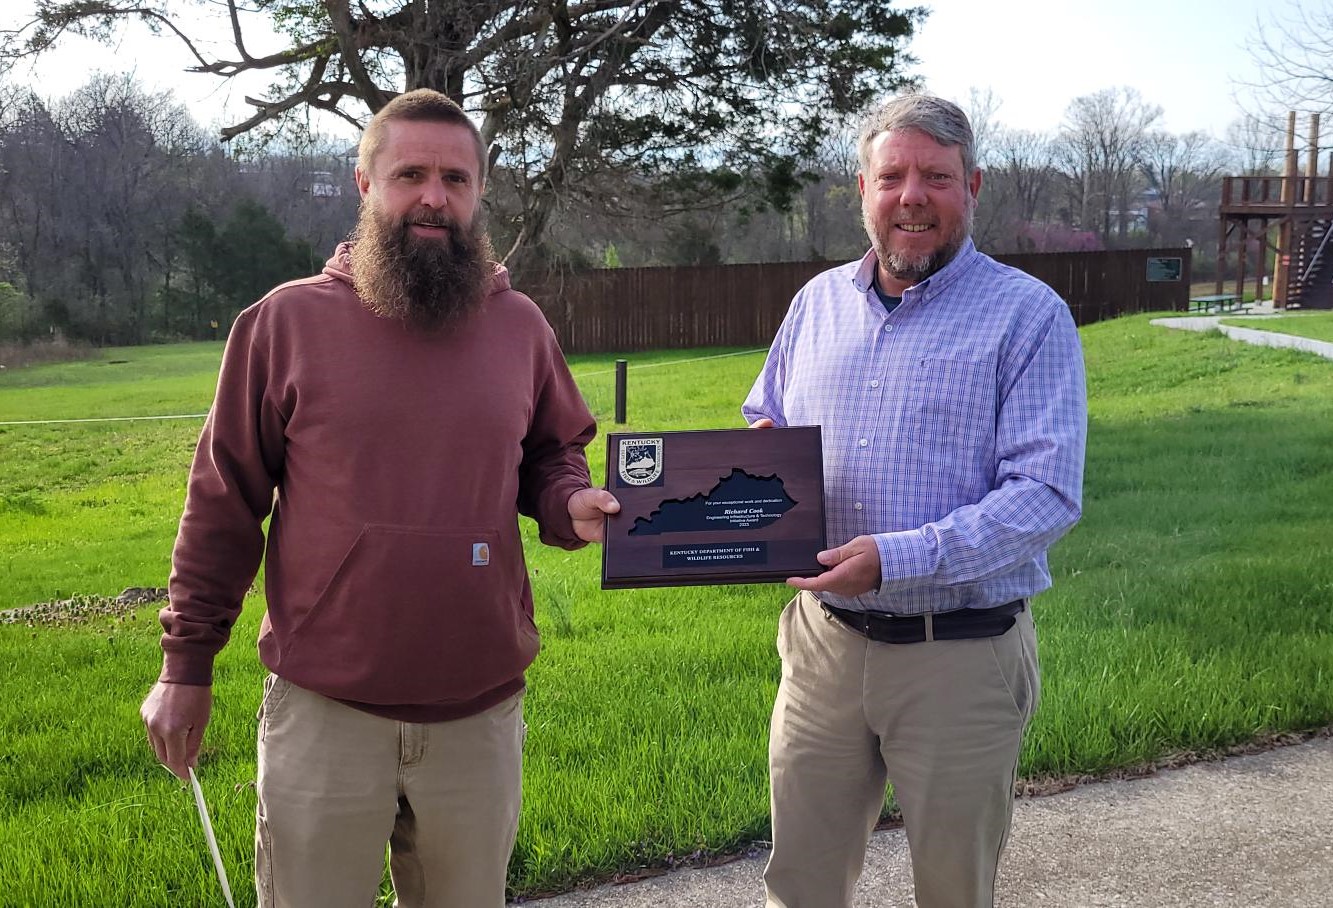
point(428, 284)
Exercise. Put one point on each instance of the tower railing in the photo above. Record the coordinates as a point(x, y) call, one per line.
point(1269, 191)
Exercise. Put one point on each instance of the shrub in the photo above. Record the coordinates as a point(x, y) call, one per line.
point(16, 355)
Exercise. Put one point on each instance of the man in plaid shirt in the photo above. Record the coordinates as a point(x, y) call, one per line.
point(950, 389)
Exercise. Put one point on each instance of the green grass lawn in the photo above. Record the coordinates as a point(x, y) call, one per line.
point(1316, 325)
point(1192, 610)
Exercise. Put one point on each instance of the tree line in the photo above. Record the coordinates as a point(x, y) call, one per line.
point(1109, 176)
point(123, 221)
point(1106, 177)
point(619, 132)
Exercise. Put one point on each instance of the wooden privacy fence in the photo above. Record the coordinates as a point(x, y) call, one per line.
point(627, 309)
point(1102, 285)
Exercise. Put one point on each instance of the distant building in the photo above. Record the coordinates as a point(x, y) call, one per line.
point(321, 185)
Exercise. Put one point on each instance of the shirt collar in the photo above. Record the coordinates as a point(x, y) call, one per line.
point(931, 286)
point(865, 272)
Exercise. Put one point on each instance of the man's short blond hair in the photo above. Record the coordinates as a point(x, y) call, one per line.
point(422, 105)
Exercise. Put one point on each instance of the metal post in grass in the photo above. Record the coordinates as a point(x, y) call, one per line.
point(621, 366)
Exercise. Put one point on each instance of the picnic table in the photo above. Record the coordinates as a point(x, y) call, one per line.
point(1219, 302)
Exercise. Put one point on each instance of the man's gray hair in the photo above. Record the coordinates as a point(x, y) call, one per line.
point(942, 120)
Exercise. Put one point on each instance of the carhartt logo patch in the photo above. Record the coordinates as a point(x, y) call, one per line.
point(481, 554)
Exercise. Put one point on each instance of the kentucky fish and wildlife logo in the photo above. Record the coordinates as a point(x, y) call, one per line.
point(640, 461)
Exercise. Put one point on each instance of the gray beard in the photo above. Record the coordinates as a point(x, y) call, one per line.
point(427, 284)
point(913, 269)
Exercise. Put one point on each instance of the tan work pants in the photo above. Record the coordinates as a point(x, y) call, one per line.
point(942, 720)
point(336, 784)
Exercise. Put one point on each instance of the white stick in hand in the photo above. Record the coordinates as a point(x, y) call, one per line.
point(208, 835)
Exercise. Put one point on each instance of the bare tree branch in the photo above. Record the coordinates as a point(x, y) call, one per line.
point(1292, 52)
point(268, 109)
point(341, 18)
point(567, 89)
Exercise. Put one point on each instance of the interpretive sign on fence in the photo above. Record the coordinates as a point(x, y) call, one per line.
point(1164, 268)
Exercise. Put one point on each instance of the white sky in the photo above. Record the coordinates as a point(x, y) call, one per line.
point(160, 62)
point(1034, 55)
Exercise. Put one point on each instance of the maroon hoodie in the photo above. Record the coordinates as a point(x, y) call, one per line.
point(395, 464)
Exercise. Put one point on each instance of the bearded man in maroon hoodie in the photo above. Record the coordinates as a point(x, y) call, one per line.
point(392, 417)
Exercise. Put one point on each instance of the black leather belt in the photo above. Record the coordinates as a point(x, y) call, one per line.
point(962, 624)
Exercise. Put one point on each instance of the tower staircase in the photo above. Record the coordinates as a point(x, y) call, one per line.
point(1310, 277)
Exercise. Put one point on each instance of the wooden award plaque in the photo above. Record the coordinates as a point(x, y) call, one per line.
point(714, 506)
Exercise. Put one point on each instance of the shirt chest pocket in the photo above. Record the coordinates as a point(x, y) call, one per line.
point(953, 403)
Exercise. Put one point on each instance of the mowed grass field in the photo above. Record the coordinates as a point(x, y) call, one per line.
point(1192, 610)
point(1316, 325)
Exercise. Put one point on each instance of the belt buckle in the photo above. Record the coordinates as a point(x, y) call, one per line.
point(883, 627)
point(878, 626)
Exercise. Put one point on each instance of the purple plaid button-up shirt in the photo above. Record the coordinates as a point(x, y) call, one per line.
point(953, 427)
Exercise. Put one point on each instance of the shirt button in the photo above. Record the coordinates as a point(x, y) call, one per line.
point(888, 327)
point(874, 383)
point(863, 442)
point(858, 506)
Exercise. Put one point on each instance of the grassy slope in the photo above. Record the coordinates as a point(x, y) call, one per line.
point(1316, 325)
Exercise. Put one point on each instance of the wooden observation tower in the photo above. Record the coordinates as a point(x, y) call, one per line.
point(1300, 208)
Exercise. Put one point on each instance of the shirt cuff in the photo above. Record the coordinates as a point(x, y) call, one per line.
point(555, 526)
point(904, 560)
point(187, 667)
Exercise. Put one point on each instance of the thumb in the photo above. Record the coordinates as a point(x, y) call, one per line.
point(193, 742)
point(833, 557)
point(605, 502)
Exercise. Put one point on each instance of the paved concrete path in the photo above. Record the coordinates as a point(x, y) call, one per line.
point(1254, 335)
point(1247, 832)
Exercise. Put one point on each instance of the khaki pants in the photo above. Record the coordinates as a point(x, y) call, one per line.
point(942, 720)
point(336, 784)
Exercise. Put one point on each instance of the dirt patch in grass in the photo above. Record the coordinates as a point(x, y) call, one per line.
point(82, 609)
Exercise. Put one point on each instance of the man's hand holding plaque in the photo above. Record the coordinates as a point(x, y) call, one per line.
point(713, 507)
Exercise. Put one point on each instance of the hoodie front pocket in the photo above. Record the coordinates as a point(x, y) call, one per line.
point(415, 615)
